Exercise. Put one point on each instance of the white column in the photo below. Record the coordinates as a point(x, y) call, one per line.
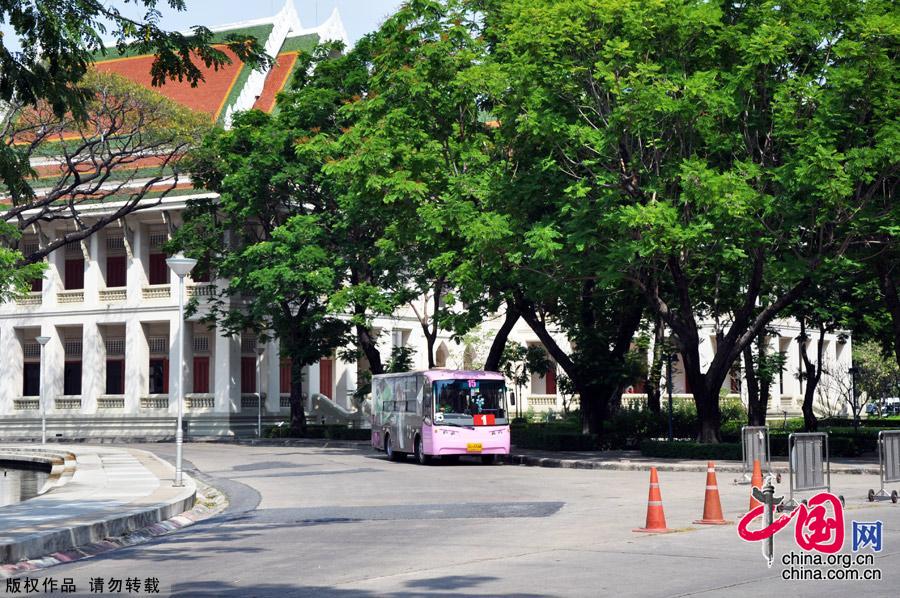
point(137, 365)
point(11, 366)
point(93, 277)
point(226, 370)
point(93, 366)
point(312, 380)
point(272, 377)
point(137, 275)
point(53, 276)
point(54, 362)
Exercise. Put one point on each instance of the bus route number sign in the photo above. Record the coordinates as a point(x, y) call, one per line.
point(473, 384)
point(484, 419)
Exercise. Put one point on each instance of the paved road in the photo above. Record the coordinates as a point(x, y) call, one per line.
point(346, 522)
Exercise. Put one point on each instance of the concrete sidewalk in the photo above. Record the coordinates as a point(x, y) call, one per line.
point(93, 494)
point(634, 461)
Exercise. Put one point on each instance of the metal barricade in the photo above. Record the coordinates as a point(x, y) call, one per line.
point(754, 446)
point(809, 464)
point(888, 462)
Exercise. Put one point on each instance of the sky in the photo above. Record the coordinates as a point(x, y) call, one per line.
point(359, 16)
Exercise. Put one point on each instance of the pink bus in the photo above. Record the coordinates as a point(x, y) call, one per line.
point(440, 413)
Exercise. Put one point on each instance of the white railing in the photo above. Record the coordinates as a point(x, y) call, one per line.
point(111, 402)
point(157, 291)
point(33, 298)
point(25, 404)
point(67, 402)
point(155, 402)
point(76, 296)
point(200, 401)
point(113, 295)
point(201, 290)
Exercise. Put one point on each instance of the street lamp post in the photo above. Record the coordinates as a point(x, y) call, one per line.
point(669, 359)
point(260, 349)
point(181, 266)
point(42, 341)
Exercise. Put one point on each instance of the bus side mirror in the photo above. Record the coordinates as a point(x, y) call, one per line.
point(512, 399)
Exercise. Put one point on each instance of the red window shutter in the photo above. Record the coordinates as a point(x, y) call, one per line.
point(687, 383)
point(165, 375)
point(116, 271)
point(551, 381)
point(201, 374)
point(248, 375)
point(74, 274)
point(326, 376)
point(37, 285)
point(284, 376)
point(159, 272)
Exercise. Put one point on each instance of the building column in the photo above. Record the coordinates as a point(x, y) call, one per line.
point(227, 367)
point(137, 365)
point(136, 249)
point(53, 277)
point(93, 277)
point(11, 366)
point(272, 377)
point(54, 358)
point(93, 366)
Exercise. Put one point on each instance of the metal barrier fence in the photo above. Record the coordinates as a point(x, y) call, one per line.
point(809, 464)
point(754, 446)
point(889, 463)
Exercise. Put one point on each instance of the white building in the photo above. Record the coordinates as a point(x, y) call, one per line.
point(110, 308)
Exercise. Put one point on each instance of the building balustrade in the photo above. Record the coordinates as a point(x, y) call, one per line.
point(542, 400)
point(74, 296)
point(33, 298)
point(155, 402)
point(285, 402)
point(113, 295)
point(25, 404)
point(201, 290)
point(157, 291)
point(67, 402)
point(200, 401)
point(111, 402)
point(251, 401)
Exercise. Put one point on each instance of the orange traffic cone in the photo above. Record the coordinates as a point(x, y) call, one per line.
point(712, 506)
point(755, 482)
point(656, 518)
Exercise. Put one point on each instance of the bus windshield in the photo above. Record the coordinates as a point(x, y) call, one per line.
point(470, 402)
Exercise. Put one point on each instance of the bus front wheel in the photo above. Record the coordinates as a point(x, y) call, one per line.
point(421, 457)
point(489, 459)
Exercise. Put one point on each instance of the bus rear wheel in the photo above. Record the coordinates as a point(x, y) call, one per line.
point(392, 455)
point(421, 457)
point(489, 459)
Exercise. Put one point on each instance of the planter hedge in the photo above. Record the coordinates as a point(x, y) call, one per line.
point(321, 432)
point(680, 449)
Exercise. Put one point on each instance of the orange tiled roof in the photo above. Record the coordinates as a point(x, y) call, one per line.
point(210, 94)
point(275, 82)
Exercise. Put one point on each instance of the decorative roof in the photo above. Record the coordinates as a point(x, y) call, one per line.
point(235, 86)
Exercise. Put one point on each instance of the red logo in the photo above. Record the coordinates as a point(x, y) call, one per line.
point(814, 528)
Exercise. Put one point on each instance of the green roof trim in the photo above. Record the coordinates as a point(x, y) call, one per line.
point(300, 43)
point(260, 32)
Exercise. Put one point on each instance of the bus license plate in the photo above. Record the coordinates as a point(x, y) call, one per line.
point(473, 447)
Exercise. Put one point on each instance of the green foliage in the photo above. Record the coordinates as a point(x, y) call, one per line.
point(879, 375)
point(691, 450)
point(401, 360)
point(333, 432)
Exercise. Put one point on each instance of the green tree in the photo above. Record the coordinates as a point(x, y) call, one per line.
point(45, 61)
point(724, 150)
point(879, 376)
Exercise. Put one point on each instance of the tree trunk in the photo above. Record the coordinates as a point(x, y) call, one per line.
point(298, 416)
point(492, 363)
point(705, 387)
point(813, 375)
point(756, 403)
point(654, 374)
point(888, 283)
point(369, 348)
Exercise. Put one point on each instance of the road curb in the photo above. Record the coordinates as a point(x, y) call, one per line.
point(83, 530)
point(699, 466)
